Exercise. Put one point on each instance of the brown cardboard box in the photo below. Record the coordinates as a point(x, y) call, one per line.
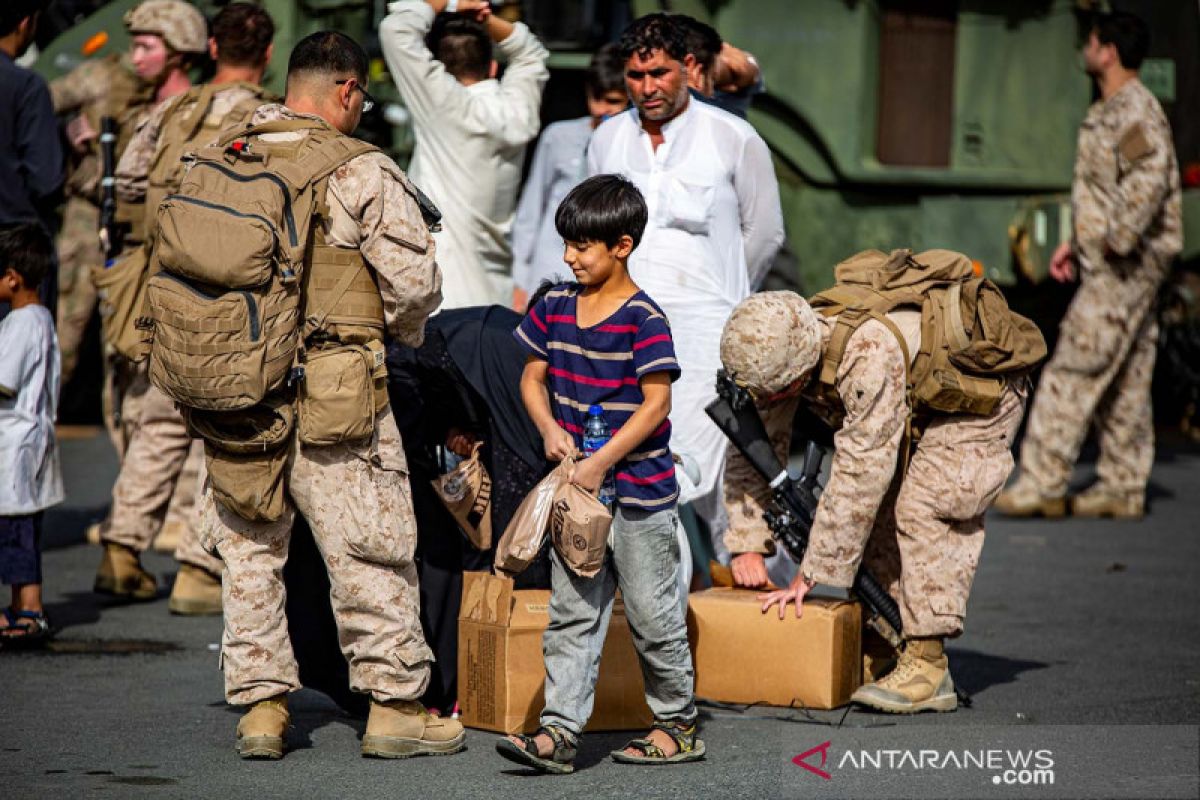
point(501, 674)
point(745, 656)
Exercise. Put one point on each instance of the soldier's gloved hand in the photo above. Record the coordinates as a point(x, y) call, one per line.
point(1062, 264)
point(749, 571)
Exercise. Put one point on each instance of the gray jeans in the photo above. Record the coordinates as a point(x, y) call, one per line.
point(643, 564)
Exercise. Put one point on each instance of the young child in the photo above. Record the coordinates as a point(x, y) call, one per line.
point(602, 341)
point(29, 475)
point(559, 163)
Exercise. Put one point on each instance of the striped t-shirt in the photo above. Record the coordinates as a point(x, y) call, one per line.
point(601, 365)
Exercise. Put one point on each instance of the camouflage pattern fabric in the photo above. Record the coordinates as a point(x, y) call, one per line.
point(369, 209)
point(357, 502)
point(920, 530)
point(1127, 211)
point(179, 23)
point(356, 498)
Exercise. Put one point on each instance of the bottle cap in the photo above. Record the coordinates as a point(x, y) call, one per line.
point(596, 409)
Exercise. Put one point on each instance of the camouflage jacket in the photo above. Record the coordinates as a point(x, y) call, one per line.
point(1125, 198)
point(870, 423)
point(133, 170)
point(370, 210)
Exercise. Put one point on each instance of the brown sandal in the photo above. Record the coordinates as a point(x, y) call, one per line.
point(561, 760)
point(689, 747)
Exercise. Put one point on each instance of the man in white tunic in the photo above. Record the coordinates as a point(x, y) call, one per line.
point(715, 223)
point(471, 131)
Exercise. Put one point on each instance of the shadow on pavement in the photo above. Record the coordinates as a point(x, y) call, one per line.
point(974, 671)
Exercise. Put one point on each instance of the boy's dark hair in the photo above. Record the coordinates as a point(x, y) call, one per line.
point(1127, 33)
point(13, 11)
point(543, 288)
point(602, 209)
point(243, 32)
point(329, 53)
point(26, 249)
point(462, 45)
point(703, 41)
point(606, 73)
point(654, 32)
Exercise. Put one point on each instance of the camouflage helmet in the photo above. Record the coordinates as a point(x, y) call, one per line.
point(180, 24)
point(771, 341)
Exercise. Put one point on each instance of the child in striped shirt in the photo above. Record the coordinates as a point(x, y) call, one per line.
point(602, 341)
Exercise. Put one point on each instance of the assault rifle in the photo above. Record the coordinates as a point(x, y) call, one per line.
point(111, 231)
point(794, 500)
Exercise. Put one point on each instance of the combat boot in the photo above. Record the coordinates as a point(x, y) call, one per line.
point(261, 730)
point(1024, 500)
point(1098, 501)
point(196, 593)
point(403, 728)
point(121, 574)
point(92, 533)
point(920, 682)
point(169, 536)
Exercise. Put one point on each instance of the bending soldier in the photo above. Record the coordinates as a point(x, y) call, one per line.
point(1127, 216)
point(918, 527)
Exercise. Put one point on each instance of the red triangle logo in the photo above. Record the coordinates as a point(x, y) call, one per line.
point(823, 749)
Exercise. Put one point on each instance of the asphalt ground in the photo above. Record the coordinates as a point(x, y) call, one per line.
point(1081, 642)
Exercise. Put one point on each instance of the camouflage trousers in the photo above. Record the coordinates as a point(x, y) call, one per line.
point(159, 478)
point(925, 544)
point(358, 503)
point(1099, 376)
point(78, 252)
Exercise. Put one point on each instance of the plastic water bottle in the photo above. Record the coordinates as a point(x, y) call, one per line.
point(595, 434)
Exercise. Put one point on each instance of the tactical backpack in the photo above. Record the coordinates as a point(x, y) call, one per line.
point(232, 245)
point(182, 132)
point(971, 342)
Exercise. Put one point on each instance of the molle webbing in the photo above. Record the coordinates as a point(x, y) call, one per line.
point(341, 296)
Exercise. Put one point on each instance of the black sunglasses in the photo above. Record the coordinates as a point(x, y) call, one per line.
point(368, 100)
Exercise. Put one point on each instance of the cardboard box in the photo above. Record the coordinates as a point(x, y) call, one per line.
point(745, 656)
point(501, 673)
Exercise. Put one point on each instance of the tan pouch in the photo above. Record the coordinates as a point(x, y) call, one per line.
point(579, 526)
point(246, 454)
point(122, 290)
point(466, 491)
point(337, 395)
point(526, 531)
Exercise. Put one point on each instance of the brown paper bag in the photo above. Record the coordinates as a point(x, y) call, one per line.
point(466, 491)
point(524, 535)
point(579, 526)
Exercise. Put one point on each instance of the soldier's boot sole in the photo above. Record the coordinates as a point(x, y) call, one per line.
point(129, 588)
point(943, 700)
point(1109, 512)
point(194, 608)
point(268, 748)
point(1047, 507)
point(374, 746)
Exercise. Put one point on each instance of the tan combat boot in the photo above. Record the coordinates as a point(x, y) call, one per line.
point(92, 533)
point(1024, 500)
point(261, 729)
point(403, 728)
point(121, 574)
point(920, 682)
point(169, 536)
point(197, 593)
point(1098, 501)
